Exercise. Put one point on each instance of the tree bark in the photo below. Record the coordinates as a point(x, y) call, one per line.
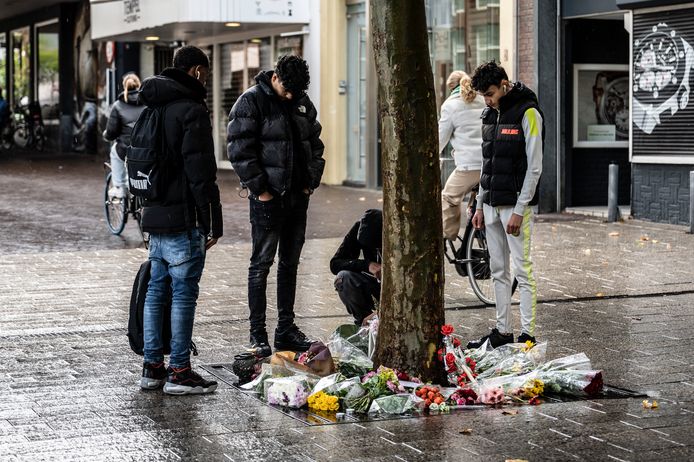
point(411, 309)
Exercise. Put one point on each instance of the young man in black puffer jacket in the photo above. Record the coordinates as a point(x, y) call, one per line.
point(184, 224)
point(274, 145)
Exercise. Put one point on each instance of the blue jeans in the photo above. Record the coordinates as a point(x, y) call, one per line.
point(182, 257)
point(278, 224)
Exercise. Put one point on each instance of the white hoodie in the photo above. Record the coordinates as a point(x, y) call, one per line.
point(461, 124)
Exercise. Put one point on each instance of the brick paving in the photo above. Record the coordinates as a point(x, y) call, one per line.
point(622, 293)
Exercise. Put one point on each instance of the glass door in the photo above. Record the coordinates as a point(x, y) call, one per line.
point(356, 94)
point(21, 66)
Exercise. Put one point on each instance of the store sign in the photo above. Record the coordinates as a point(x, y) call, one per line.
point(662, 77)
point(601, 133)
point(131, 10)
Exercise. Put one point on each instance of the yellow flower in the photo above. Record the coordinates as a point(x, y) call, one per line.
point(528, 345)
point(323, 402)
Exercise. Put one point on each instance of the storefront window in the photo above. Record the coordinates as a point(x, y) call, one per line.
point(258, 58)
point(288, 46)
point(21, 64)
point(48, 81)
point(462, 34)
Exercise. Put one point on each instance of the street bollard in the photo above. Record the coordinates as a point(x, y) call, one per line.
point(691, 202)
point(612, 194)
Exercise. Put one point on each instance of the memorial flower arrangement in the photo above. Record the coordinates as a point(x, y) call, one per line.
point(323, 402)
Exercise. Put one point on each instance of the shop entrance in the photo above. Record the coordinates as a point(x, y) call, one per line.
point(596, 109)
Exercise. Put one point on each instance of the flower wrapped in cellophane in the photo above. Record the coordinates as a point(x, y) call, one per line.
point(511, 359)
point(570, 375)
point(394, 404)
point(287, 391)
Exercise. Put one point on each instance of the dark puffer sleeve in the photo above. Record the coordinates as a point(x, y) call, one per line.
point(316, 163)
point(347, 256)
point(113, 125)
point(243, 143)
point(197, 148)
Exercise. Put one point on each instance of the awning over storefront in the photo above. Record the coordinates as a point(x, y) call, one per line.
point(634, 4)
point(171, 20)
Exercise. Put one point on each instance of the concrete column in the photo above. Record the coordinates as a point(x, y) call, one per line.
point(613, 194)
point(66, 74)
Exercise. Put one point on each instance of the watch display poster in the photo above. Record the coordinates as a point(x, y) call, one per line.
point(601, 105)
point(662, 75)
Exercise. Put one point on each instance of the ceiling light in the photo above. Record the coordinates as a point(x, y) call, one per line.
point(233, 24)
point(152, 38)
point(256, 41)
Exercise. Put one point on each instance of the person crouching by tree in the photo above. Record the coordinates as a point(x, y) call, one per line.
point(513, 138)
point(357, 264)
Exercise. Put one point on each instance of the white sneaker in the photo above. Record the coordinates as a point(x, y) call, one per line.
point(117, 191)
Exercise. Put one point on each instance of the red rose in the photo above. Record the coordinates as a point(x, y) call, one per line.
point(447, 329)
point(450, 359)
point(456, 342)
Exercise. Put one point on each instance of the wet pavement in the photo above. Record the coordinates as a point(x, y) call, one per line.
point(622, 293)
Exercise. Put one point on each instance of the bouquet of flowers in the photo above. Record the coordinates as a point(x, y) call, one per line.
point(570, 375)
point(350, 360)
point(393, 404)
point(383, 381)
point(287, 391)
point(463, 397)
point(358, 399)
point(512, 359)
point(322, 401)
point(459, 368)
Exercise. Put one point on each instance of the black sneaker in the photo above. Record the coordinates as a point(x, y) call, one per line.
point(259, 345)
point(292, 339)
point(522, 338)
point(153, 376)
point(496, 339)
point(184, 381)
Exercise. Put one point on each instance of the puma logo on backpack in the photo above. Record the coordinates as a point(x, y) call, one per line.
point(146, 155)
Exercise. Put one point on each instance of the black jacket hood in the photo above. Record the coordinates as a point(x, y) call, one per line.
point(519, 92)
point(371, 229)
point(171, 85)
point(264, 81)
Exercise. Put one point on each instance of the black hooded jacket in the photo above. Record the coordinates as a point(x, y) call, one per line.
point(122, 119)
point(365, 237)
point(261, 144)
point(192, 171)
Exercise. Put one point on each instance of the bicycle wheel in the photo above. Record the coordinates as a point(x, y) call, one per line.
point(39, 138)
point(115, 209)
point(478, 271)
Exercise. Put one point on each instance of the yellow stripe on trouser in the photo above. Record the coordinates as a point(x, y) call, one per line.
point(528, 267)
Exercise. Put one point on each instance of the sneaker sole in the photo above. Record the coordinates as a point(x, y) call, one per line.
point(173, 389)
point(151, 384)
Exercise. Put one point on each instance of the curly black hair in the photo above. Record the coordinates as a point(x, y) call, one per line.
point(293, 73)
point(488, 74)
point(189, 56)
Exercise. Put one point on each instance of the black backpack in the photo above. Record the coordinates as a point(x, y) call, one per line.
point(136, 333)
point(146, 154)
point(137, 308)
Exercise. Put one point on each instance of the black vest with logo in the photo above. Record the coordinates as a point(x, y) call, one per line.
point(503, 147)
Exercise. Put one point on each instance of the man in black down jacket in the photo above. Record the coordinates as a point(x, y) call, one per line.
point(184, 224)
point(274, 145)
point(358, 280)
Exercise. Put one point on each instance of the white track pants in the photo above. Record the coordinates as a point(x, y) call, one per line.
point(501, 245)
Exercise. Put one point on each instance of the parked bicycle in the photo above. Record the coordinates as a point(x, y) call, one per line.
point(28, 126)
point(471, 258)
point(117, 209)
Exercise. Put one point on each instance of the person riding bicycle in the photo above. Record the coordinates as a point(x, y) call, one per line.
point(358, 280)
point(461, 125)
point(121, 120)
point(513, 134)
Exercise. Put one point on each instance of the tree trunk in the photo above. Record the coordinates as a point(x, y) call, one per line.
point(411, 309)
